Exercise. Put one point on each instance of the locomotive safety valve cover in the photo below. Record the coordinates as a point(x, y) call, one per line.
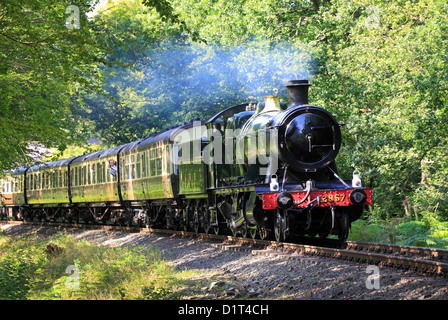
point(328, 198)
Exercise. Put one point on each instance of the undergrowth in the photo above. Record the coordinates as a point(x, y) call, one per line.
point(63, 268)
point(426, 232)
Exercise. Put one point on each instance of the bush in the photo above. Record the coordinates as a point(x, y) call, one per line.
point(427, 232)
point(18, 264)
point(67, 269)
point(380, 231)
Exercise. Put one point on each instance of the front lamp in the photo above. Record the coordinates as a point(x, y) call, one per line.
point(285, 200)
point(358, 197)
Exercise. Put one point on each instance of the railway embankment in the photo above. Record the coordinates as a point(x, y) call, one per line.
point(212, 271)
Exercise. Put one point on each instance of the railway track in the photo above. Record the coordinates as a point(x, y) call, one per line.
point(422, 260)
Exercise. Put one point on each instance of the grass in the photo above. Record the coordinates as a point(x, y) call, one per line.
point(428, 232)
point(63, 268)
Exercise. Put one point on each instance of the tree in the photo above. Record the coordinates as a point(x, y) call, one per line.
point(174, 79)
point(385, 76)
point(43, 67)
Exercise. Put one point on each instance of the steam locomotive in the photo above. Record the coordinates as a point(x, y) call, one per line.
point(262, 170)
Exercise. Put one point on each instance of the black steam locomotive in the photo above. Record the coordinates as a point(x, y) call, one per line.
point(256, 170)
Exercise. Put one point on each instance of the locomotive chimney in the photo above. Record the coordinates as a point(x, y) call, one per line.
point(298, 92)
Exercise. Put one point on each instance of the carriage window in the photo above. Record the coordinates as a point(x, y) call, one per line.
point(133, 171)
point(158, 166)
point(144, 164)
point(138, 166)
point(159, 162)
point(152, 163)
point(107, 166)
point(121, 167)
point(125, 168)
point(92, 167)
point(98, 172)
point(103, 172)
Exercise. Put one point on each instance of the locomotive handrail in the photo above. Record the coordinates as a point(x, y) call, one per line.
point(339, 178)
point(309, 185)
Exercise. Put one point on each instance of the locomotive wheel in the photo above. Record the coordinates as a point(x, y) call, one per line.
point(206, 220)
point(345, 226)
point(196, 220)
point(278, 227)
point(234, 232)
point(185, 218)
point(244, 230)
point(129, 217)
point(253, 232)
point(263, 233)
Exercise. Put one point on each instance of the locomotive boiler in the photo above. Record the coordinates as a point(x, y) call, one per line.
point(256, 170)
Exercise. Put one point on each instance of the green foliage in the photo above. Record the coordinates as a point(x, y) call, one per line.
point(428, 232)
point(29, 270)
point(18, 263)
point(43, 68)
point(46, 69)
point(175, 80)
point(384, 76)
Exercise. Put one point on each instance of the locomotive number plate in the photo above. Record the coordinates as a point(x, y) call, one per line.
point(321, 198)
point(338, 197)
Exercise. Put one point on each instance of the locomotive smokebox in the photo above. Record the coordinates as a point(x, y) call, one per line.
point(298, 92)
